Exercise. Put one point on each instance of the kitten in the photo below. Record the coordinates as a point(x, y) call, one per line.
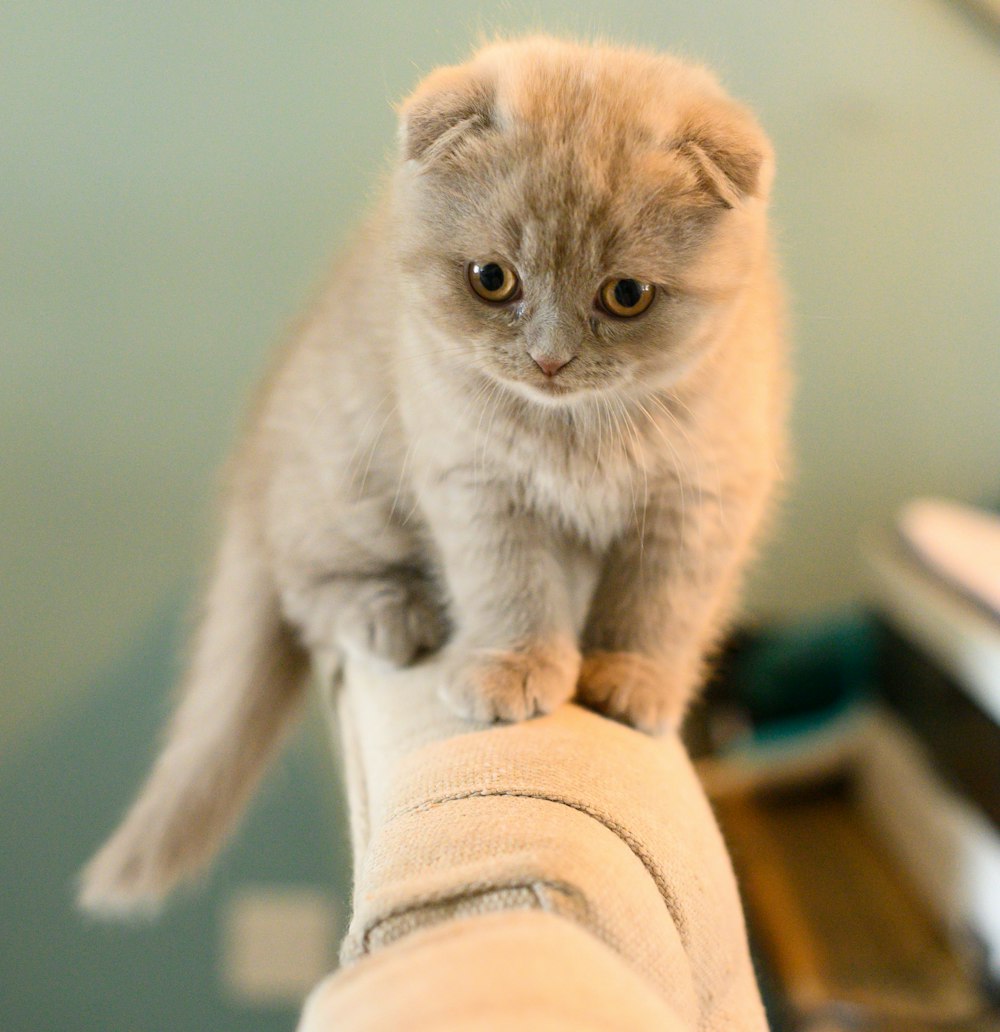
point(535, 419)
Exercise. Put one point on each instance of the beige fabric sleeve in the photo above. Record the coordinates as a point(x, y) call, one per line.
point(528, 875)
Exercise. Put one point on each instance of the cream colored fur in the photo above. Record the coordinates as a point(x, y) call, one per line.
point(411, 479)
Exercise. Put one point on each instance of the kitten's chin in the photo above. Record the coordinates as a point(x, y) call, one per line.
point(547, 392)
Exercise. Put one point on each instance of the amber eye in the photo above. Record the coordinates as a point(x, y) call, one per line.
point(494, 282)
point(625, 297)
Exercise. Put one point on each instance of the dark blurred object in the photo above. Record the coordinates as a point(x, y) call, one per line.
point(962, 739)
point(984, 15)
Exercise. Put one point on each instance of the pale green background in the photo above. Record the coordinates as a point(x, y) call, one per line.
point(174, 177)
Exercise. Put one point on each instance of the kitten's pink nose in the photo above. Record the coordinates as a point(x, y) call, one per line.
point(550, 366)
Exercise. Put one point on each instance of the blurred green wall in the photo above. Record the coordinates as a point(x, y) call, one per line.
point(174, 177)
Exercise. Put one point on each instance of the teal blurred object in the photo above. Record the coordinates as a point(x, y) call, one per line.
point(64, 787)
point(805, 669)
point(787, 705)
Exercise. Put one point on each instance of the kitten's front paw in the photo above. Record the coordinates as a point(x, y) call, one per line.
point(497, 684)
point(633, 688)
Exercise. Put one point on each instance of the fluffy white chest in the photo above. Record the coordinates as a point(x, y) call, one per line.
point(593, 499)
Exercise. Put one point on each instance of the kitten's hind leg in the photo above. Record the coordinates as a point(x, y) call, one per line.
point(395, 615)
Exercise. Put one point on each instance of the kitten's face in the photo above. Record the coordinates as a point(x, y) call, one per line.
point(557, 234)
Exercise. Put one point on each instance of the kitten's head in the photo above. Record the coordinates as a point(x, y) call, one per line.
point(579, 219)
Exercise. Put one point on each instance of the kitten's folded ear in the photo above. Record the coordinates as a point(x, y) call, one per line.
point(449, 106)
point(731, 155)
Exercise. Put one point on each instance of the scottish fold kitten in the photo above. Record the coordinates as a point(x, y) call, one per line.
point(534, 421)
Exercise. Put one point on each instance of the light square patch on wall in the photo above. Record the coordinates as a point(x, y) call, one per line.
point(277, 943)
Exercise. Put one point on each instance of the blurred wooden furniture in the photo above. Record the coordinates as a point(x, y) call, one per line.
point(844, 938)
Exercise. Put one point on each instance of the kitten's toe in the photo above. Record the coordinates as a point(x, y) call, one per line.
point(496, 684)
point(634, 689)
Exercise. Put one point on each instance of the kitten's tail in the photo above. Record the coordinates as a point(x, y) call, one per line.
point(245, 680)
